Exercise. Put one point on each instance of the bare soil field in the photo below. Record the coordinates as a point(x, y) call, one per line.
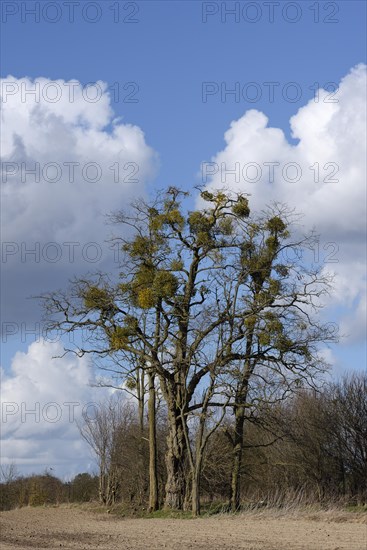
point(77, 528)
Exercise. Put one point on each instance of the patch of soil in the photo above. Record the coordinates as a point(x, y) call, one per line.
point(78, 529)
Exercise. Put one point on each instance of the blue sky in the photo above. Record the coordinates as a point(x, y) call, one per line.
point(170, 52)
point(178, 62)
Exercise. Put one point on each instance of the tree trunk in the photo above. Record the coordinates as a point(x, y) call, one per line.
point(141, 403)
point(197, 466)
point(195, 491)
point(102, 488)
point(103, 481)
point(235, 495)
point(187, 505)
point(142, 482)
point(175, 462)
point(153, 476)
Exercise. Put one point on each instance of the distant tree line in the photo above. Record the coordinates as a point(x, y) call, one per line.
point(45, 489)
point(212, 325)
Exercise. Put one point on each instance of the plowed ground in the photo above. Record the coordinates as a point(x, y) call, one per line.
point(77, 529)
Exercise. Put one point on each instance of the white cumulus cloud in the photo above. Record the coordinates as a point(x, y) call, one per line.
point(323, 175)
point(42, 398)
point(66, 163)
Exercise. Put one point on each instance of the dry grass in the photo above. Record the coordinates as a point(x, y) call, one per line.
point(333, 512)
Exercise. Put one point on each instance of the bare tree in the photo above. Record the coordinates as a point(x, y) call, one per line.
point(101, 434)
point(8, 472)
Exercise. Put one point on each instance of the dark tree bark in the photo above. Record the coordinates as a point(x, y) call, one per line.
point(176, 458)
point(235, 495)
point(153, 475)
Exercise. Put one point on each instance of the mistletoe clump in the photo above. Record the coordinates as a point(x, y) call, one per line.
point(241, 208)
point(150, 285)
point(97, 298)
